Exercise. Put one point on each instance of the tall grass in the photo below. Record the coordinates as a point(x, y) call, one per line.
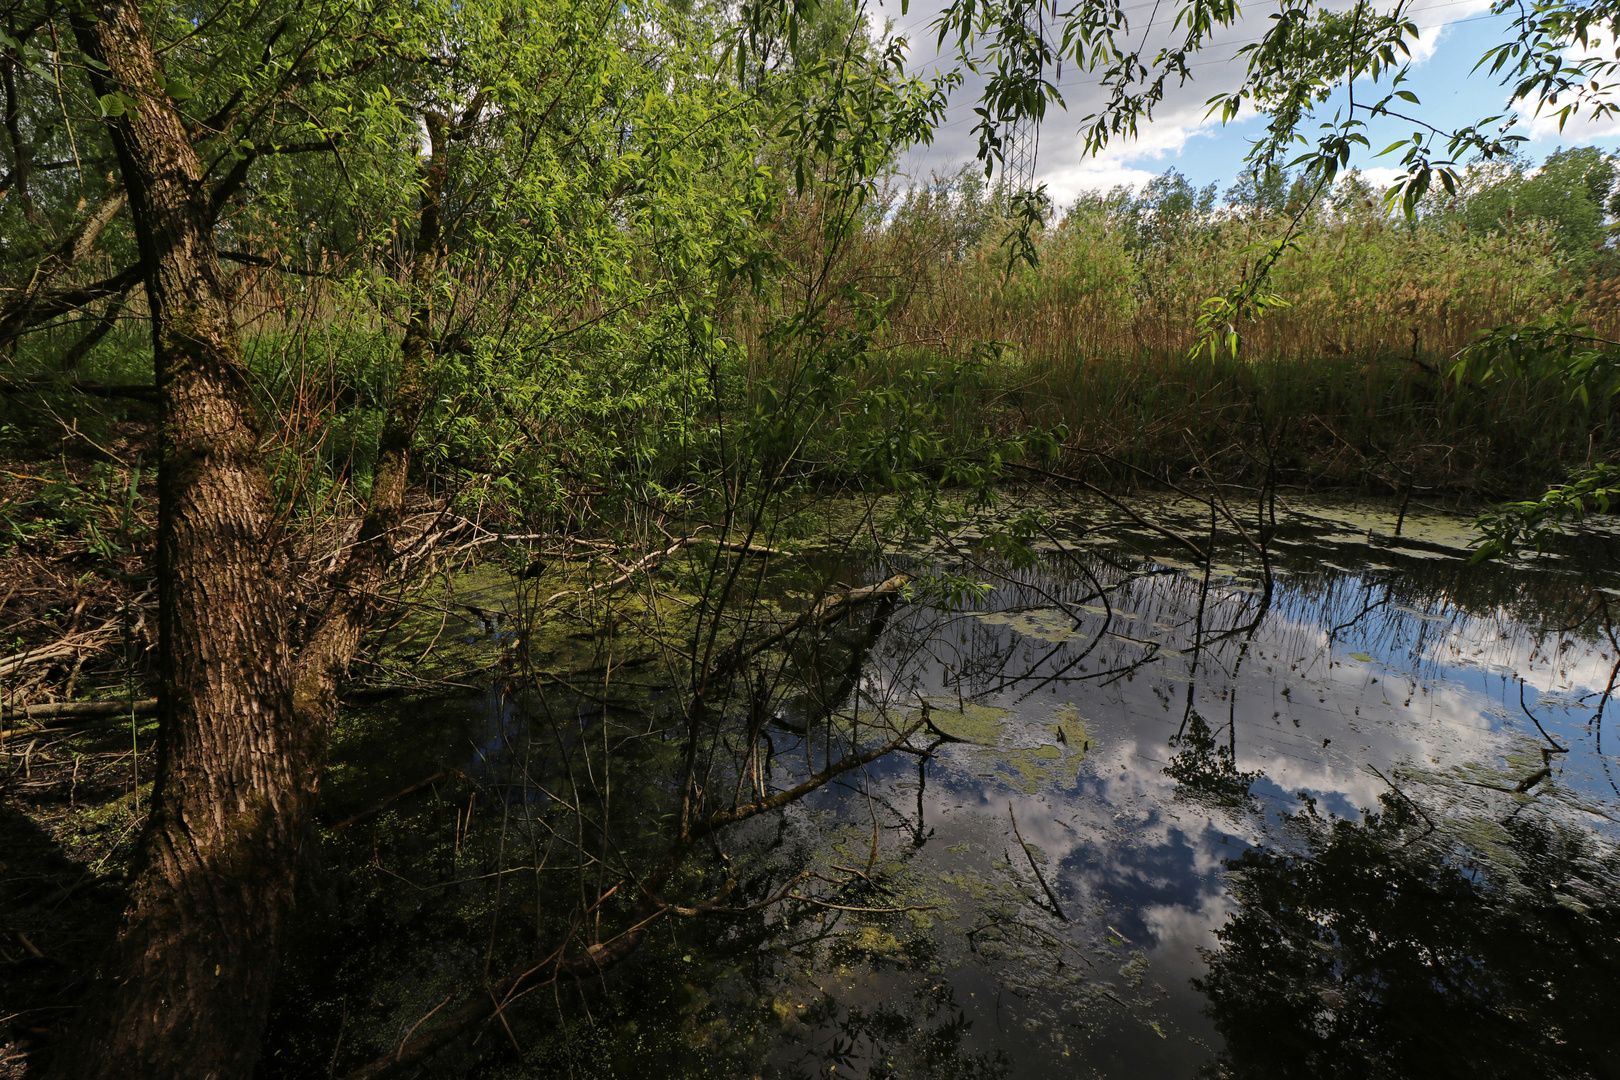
point(1347, 385)
point(1359, 281)
point(1381, 425)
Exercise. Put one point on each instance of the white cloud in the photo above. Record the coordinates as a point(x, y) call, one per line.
point(1068, 171)
point(1578, 131)
point(1544, 664)
point(1180, 121)
point(1381, 176)
point(1189, 928)
point(1434, 19)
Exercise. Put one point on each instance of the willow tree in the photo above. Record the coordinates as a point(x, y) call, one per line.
point(452, 169)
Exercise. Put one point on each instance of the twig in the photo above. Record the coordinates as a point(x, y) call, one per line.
point(862, 875)
point(1533, 779)
point(408, 1034)
point(1056, 908)
point(721, 818)
point(1409, 802)
point(1134, 516)
point(866, 910)
point(368, 811)
point(651, 560)
point(72, 644)
point(80, 710)
point(928, 719)
point(826, 611)
point(1552, 741)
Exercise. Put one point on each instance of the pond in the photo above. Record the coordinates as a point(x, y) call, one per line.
point(1342, 810)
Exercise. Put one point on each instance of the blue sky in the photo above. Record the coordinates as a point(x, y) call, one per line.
point(1455, 33)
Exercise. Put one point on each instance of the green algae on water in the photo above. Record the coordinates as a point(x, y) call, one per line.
point(1021, 755)
point(1051, 624)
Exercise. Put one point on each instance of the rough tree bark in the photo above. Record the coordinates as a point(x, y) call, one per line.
point(244, 711)
point(184, 991)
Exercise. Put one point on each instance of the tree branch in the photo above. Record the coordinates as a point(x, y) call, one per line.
point(23, 314)
point(37, 301)
point(140, 391)
point(601, 956)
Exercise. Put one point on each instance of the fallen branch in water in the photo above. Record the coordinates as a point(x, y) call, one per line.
point(651, 560)
point(928, 719)
point(721, 818)
point(1056, 909)
point(599, 957)
point(831, 608)
point(1552, 742)
point(1533, 779)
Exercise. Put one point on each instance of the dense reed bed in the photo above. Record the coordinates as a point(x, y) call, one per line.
point(1349, 384)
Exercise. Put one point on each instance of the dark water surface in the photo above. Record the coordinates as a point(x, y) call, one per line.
point(1362, 823)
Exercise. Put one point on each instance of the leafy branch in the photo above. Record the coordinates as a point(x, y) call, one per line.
point(1507, 528)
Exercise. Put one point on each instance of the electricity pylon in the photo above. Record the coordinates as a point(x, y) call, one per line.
point(1025, 135)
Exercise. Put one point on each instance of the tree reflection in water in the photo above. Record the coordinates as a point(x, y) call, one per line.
point(1202, 766)
point(1378, 950)
point(1457, 939)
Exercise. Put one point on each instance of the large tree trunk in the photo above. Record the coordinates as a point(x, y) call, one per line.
point(243, 718)
point(186, 988)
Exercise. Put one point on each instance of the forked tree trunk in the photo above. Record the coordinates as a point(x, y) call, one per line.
point(185, 990)
point(243, 718)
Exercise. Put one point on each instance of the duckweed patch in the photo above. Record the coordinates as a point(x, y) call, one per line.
point(1052, 625)
point(1021, 755)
